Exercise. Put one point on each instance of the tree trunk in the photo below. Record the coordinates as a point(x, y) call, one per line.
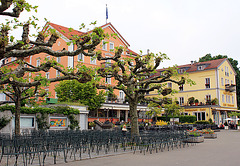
point(134, 118)
point(17, 114)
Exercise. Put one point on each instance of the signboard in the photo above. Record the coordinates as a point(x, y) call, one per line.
point(58, 122)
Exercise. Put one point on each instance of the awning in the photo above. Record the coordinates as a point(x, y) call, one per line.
point(225, 109)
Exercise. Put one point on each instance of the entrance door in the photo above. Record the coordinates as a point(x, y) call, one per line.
point(216, 118)
point(122, 115)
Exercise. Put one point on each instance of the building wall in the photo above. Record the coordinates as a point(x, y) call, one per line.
point(219, 77)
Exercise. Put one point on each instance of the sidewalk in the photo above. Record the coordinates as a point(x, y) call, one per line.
point(223, 151)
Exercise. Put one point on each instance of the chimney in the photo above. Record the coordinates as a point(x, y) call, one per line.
point(192, 62)
point(148, 51)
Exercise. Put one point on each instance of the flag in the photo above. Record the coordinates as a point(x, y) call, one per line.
point(106, 12)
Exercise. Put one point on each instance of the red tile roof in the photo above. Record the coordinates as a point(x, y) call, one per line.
point(65, 31)
point(115, 30)
point(213, 64)
point(129, 51)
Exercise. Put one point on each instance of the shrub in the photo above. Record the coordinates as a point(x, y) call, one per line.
point(202, 122)
point(182, 118)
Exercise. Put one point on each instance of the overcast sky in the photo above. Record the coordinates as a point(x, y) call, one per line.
point(183, 29)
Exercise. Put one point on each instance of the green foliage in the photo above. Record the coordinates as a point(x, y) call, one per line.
point(42, 110)
point(92, 124)
point(202, 122)
point(182, 118)
point(172, 109)
point(74, 123)
point(4, 122)
point(42, 122)
point(191, 100)
point(85, 93)
point(214, 101)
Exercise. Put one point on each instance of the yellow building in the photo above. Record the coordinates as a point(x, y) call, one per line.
point(215, 81)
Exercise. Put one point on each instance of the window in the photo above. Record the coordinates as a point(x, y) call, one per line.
point(57, 73)
point(123, 49)
point(38, 63)
point(181, 87)
point(228, 99)
point(104, 47)
point(36, 96)
point(207, 82)
point(108, 80)
point(231, 82)
point(48, 58)
point(181, 100)
point(200, 67)
point(58, 59)
point(13, 59)
point(25, 122)
point(169, 85)
point(47, 75)
point(111, 47)
point(93, 60)
point(108, 63)
point(81, 57)
point(226, 71)
point(121, 96)
point(208, 98)
point(232, 99)
point(223, 98)
point(181, 71)
point(200, 115)
point(222, 82)
point(47, 92)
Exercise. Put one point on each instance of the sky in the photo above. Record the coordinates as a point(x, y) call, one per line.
point(183, 29)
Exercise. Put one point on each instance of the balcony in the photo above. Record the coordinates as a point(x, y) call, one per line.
point(230, 87)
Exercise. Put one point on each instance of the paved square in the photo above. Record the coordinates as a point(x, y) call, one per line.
point(223, 151)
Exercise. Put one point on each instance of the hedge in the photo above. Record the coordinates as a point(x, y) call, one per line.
point(51, 110)
point(182, 118)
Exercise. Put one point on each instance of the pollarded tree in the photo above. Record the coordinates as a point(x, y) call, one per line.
point(18, 80)
point(137, 77)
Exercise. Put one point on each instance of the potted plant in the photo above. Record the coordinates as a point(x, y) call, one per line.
point(209, 133)
point(92, 125)
point(226, 126)
point(191, 100)
point(238, 126)
point(214, 101)
point(196, 102)
point(195, 136)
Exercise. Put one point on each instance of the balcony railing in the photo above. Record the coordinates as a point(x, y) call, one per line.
point(230, 87)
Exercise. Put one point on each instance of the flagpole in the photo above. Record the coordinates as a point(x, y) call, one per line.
point(106, 13)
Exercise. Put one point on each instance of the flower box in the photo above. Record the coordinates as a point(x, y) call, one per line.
point(210, 136)
point(198, 139)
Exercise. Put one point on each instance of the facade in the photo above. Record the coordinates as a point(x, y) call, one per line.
point(28, 122)
point(119, 108)
point(215, 90)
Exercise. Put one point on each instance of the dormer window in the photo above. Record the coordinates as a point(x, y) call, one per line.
point(201, 67)
point(181, 71)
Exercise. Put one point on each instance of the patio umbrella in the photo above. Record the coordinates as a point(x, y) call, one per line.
point(228, 119)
